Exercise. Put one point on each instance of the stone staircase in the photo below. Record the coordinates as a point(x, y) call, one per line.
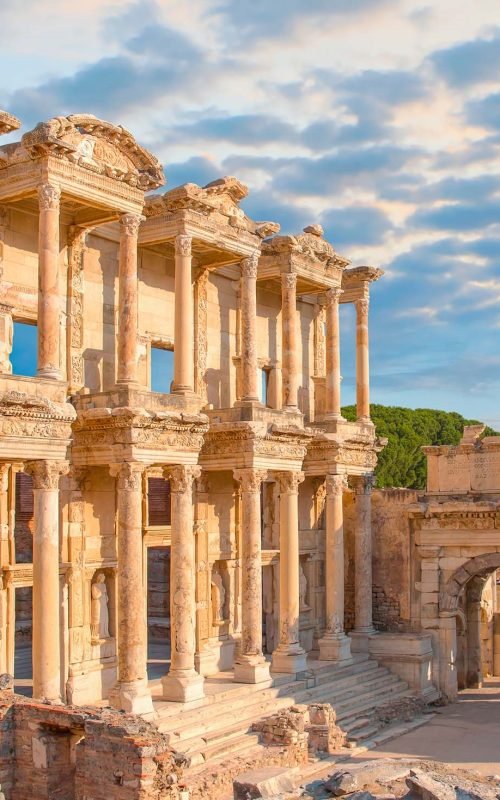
point(219, 727)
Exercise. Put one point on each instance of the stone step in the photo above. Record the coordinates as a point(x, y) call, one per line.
point(364, 733)
point(267, 703)
point(355, 725)
point(348, 714)
point(223, 750)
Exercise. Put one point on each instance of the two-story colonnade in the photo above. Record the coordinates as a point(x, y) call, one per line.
point(210, 515)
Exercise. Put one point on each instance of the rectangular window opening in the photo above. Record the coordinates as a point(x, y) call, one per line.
point(159, 502)
point(24, 356)
point(265, 374)
point(162, 369)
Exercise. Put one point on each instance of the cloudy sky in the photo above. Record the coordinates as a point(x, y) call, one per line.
point(378, 118)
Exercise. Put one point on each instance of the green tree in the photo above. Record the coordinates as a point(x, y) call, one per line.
point(402, 463)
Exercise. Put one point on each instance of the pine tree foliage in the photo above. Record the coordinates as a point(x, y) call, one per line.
point(402, 463)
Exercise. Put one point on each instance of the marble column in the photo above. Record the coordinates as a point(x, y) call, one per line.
point(334, 645)
point(289, 340)
point(6, 335)
point(182, 683)
point(249, 391)
point(49, 301)
point(363, 621)
point(128, 313)
point(332, 409)
point(251, 666)
point(289, 656)
point(46, 584)
point(132, 692)
point(184, 316)
point(362, 361)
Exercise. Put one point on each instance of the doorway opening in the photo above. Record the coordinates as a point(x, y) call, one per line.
point(158, 611)
point(23, 630)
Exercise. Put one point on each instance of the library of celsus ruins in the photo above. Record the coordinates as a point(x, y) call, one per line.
point(181, 497)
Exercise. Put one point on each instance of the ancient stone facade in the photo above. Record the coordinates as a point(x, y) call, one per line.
point(238, 470)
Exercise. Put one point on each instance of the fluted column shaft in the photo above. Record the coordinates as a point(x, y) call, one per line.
point(334, 646)
point(128, 313)
point(249, 390)
point(49, 303)
point(362, 360)
point(363, 554)
point(184, 316)
point(132, 693)
point(46, 587)
point(333, 353)
point(182, 683)
point(290, 340)
point(251, 666)
point(289, 656)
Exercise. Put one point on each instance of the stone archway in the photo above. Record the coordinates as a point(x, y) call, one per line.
point(479, 566)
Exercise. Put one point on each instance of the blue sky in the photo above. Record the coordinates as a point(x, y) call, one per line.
point(378, 118)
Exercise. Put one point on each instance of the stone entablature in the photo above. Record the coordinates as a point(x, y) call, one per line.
point(471, 466)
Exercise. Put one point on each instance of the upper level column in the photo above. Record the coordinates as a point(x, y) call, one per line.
point(49, 303)
point(128, 293)
point(333, 404)
point(249, 328)
point(362, 361)
point(363, 603)
point(184, 316)
point(290, 339)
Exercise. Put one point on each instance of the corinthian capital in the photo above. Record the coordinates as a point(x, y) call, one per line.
point(181, 477)
point(289, 481)
point(250, 479)
point(46, 474)
point(362, 484)
point(249, 266)
point(333, 295)
point(49, 196)
point(130, 224)
point(362, 306)
point(129, 476)
point(289, 280)
point(336, 484)
point(183, 244)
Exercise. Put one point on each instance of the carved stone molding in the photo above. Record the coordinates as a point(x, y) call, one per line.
point(319, 342)
point(333, 295)
point(46, 474)
point(336, 484)
point(201, 339)
point(75, 363)
point(183, 244)
point(129, 476)
point(181, 477)
point(130, 224)
point(289, 481)
point(250, 479)
point(49, 196)
point(249, 266)
point(362, 484)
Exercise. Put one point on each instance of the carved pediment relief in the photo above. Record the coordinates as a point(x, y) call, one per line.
point(95, 145)
point(8, 122)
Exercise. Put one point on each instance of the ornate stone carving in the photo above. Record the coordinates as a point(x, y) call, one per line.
point(249, 266)
point(181, 477)
point(129, 476)
point(218, 598)
point(77, 249)
point(333, 295)
point(183, 244)
point(201, 328)
point(362, 484)
point(336, 484)
point(46, 474)
point(362, 306)
point(289, 280)
point(289, 481)
point(49, 196)
point(130, 224)
point(99, 612)
point(250, 479)
point(319, 342)
point(8, 122)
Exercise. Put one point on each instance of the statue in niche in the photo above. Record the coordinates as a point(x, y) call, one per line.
point(218, 595)
point(99, 612)
point(302, 588)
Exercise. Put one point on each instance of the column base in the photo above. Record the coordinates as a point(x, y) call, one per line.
point(252, 671)
point(289, 659)
point(335, 647)
point(51, 373)
point(133, 697)
point(360, 640)
point(182, 686)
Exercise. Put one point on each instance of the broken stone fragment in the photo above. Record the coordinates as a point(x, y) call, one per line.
point(425, 787)
point(341, 783)
point(267, 782)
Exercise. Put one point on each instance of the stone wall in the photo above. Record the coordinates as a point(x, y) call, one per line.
point(48, 751)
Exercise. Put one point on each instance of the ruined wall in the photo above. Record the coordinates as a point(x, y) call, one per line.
point(48, 751)
point(392, 548)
